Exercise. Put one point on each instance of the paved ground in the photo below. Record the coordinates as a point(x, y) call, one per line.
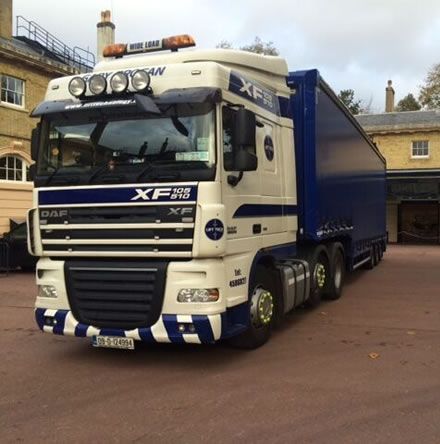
point(313, 382)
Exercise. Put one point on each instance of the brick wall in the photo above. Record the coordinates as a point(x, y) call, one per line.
point(15, 124)
point(15, 134)
point(396, 147)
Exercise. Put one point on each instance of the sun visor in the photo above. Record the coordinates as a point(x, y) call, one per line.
point(189, 95)
point(142, 103)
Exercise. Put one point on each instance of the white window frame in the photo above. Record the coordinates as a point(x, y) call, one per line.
point(24, 166)
point(419, 156)
point(23, 94)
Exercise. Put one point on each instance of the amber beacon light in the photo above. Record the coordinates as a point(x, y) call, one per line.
point(172, 43)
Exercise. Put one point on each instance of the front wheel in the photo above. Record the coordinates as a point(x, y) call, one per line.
point(262, 305)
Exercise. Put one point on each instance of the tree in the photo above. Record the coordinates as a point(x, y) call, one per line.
point(408, 103)
point(347, 97)
point(224, 44)
point(430, 92)
point(258, 47)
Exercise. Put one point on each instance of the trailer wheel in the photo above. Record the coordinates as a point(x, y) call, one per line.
point(371, 262)
point(319, 276)
point(337, 265)
point(379, 252)
point(376, 254)
point(262, 306)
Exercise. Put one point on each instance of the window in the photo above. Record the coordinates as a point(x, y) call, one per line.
point(13, 168)
point(228, 123)
point(12, 91)
point(420, 148)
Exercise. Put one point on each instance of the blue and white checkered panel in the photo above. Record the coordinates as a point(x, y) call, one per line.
point(208, 328)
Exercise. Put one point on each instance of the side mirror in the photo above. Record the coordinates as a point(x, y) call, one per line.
point(35, 142)
point(245, 161)
point(244, 143)
point(244, 129)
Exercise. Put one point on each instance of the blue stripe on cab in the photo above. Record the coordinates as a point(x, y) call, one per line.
point(265, 210)
point(81, 330)
point(60, 317)
point(172, 328)
point(39, 317)
point(112, 332)
point(139, 193)
point(203, 328)
point(146, 335)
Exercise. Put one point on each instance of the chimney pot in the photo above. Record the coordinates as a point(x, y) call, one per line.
point(389, 97)
point(105, 33)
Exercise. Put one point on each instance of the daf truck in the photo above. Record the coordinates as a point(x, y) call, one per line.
point(193, 196)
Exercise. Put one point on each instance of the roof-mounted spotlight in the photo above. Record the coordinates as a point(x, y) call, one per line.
point(97, 84)
point(119, 82)
point(77, 86)
point(140, 80)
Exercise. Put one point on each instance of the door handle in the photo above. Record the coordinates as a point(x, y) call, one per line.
point(256, 228)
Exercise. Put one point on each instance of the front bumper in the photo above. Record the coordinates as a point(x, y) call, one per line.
point(207, 328)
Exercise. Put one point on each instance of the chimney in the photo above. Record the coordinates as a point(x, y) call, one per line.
point(6, 19)
point(106, 33)
point(389, 97)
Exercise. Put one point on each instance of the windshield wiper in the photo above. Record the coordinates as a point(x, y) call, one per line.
point(144, 171)
point(97, 172)
point(55, 171)
point(51, 175)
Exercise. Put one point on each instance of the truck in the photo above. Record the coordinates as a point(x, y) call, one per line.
point(194, 196)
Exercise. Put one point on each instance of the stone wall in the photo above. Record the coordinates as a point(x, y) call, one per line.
point(396, 147)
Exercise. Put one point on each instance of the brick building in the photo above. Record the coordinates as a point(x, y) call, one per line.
point(28, 61)
point(410, 142)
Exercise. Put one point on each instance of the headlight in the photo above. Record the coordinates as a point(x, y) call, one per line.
point(97, 84)
point(140, 80)
point(119, 82)
point(198, 295)
point(47, 291)
point(77, 86)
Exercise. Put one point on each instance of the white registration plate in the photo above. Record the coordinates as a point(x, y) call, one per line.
point(113, 342)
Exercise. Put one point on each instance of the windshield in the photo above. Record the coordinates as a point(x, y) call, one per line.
point(182, 138)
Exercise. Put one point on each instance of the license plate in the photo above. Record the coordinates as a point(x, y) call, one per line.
point(113, 342)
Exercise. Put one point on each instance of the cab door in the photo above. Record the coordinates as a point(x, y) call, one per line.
point(269, 162)
point(242, 200)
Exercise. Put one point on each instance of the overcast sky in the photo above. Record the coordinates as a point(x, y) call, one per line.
point(357, 44)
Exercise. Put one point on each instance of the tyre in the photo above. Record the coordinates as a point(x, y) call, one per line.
point(380, 251)
point(262, 306)
point(337, 275)
point(371, 261)
point(376, 254)
point(319, 276)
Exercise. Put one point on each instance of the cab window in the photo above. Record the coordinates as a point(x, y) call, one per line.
point(228, 125)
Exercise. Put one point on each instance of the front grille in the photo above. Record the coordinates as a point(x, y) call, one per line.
point(115, 231)
point(114, 294)
point(131, 214)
